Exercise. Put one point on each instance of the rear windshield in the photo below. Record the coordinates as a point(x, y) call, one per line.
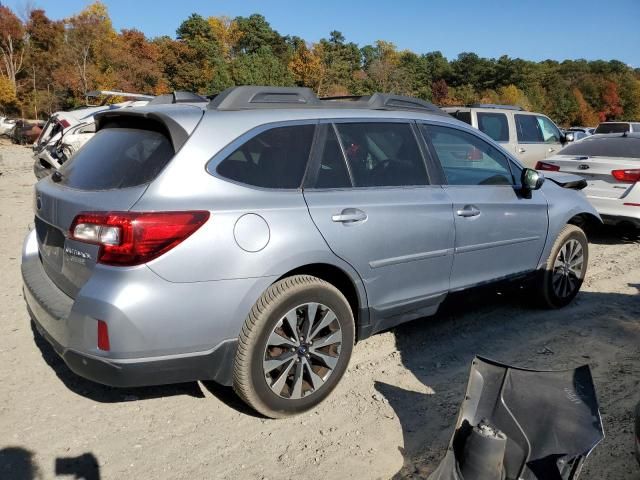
point(117, 158)
point(612, 128)
point(619, 146)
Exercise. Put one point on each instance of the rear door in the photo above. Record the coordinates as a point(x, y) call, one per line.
point(377, 211)
point(499, 232)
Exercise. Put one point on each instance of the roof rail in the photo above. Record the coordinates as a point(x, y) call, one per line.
point(179, 96)
point(493, 105)
point(253, 97)
point(383, 101)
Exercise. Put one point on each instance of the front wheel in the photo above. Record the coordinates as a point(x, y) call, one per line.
point(294, 346)
point(565, 268)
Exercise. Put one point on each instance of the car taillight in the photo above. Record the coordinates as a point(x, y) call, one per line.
point(133, 238)
point(630, 175)
point(64, 123)
point(550, 167)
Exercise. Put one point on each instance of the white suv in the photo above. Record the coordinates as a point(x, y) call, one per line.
point(530, 136)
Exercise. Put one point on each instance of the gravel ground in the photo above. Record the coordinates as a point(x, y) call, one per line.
point(391, 416)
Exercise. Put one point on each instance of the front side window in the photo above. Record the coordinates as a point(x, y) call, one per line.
point(495, 125)
point(550, 133)
point(467, 159)
point(528, 129)
point(275, 158)
point(382, 154)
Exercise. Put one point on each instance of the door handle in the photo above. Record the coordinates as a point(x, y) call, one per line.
point(521, 150)
point(349, 215)
point(468, 211)
point(551, 149)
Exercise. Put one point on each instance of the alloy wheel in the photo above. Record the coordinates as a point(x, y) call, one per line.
point(302, 351)
point(568, 268)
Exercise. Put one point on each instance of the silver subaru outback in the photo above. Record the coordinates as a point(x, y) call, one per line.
point(254, 239)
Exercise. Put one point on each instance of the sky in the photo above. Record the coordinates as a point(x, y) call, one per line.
point(533, 30)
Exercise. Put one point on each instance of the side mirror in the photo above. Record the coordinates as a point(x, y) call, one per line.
point(531, 179)
point(569, 137)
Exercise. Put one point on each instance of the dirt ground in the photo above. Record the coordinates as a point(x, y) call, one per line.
point(390, 417)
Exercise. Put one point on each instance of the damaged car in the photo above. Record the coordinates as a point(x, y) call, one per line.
point(66, 131)
point(252, 239)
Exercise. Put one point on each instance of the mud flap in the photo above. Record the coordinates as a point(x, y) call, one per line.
point(523, 424)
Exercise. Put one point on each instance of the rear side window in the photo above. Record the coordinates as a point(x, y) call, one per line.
point(382, 154)
point(528, 129)
point(118, 158)
point(275, 158)
point(462, 116)
point(467, 159)
point(495, 125)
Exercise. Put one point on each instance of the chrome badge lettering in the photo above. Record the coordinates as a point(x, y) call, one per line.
point(76, 255)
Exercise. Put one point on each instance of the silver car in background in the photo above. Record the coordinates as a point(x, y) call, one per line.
point(611, 166)
point(252, 240)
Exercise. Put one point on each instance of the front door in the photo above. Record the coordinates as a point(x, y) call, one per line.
point(537, 138)
point(378, 213)
point(499, 232)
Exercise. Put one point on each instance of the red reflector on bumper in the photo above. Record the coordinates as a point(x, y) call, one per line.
point(103, 336)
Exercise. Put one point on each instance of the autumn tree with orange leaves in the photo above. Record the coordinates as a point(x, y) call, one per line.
point(48, 65)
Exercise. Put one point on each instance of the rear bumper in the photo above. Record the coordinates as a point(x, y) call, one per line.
point(169, 333)
point(215, 365)
point(614, 211)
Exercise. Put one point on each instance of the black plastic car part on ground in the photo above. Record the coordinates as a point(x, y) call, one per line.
point(523, 424)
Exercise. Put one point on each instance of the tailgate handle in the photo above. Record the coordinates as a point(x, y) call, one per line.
point(349, 215)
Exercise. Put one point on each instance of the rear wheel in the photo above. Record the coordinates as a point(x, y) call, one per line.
point(294, 346)
point(565, 268)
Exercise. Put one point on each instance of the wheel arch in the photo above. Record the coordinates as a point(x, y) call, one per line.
point(587, 221)
point(351, 288)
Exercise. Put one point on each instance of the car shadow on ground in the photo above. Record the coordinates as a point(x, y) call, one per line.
point(611, 235)
point(495, 324)
point(17, 463)
point(103, 393)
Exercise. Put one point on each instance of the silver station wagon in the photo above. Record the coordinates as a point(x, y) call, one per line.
point(252, 240)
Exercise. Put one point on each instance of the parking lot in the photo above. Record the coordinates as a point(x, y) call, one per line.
point(391, 416)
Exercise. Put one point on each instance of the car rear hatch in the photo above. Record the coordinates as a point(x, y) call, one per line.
point(597, 171)
point(109, 174)
point(606, 163)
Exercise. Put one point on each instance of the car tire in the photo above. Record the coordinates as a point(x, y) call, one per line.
point(565, 269)
point(279, 372)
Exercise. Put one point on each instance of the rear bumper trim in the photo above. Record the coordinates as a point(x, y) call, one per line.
point(216, 365)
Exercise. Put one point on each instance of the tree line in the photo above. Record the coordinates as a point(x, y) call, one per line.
point(48, 65)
